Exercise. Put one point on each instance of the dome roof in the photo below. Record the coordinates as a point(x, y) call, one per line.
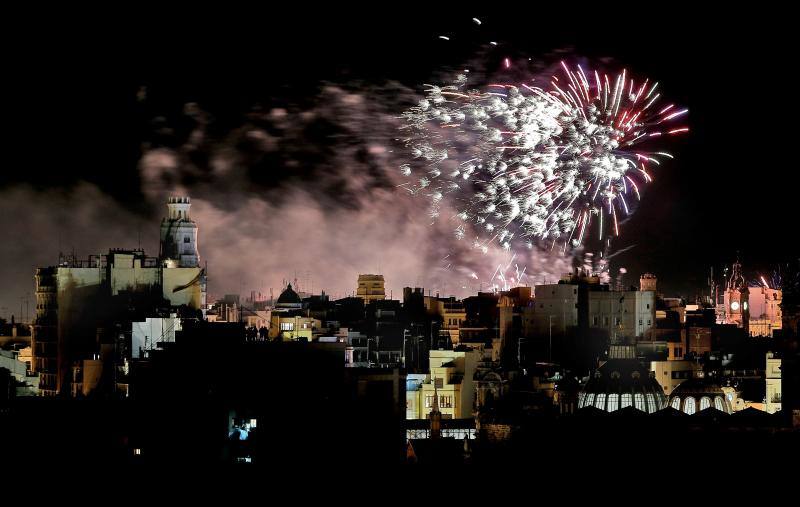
point(621, 383)
point(289, 297)
point(696, 394)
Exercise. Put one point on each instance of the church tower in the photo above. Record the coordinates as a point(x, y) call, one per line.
point(179, 235)
point(737, 296)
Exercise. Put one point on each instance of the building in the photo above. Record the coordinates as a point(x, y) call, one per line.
point(622, 382)
point(765, 311)
point(179, 235)
point(697, 394)
point(81, 304)
point(623, 314)
point(736, 305)
point(669, 374)
point(772, 401)
point(371, 288)
point(450, 383)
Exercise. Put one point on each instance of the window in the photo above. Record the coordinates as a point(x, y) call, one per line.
point(640, 322)
point(676, 403)
point(446, 401)
point(648, 306)
point(581, 397)
point(605, 321)
point(651, 403)
point(613, 402)
point(595, 320)
point(718, 403)
point(639, 398)
point(589, 399)
point(186, 239)
point(600, 402)
point(648, 322)
point(626, 400)
point(287, 326)
point(705, 402)
point(689, 405)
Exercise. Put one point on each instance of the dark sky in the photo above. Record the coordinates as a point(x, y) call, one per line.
point(72, 81)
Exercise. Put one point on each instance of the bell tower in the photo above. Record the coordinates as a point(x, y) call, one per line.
point(179, 235)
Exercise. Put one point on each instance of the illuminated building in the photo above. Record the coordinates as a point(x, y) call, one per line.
point(371, 288)
point(84, 304)
point(765, 311)
point(287, 320)
point(773, 398)
point(669, 374)
point(449, 383)
point(736, 309)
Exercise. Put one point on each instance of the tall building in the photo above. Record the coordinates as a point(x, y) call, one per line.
point(736, 298)
point(179, 235)
point(85, 307)
point(371, 288)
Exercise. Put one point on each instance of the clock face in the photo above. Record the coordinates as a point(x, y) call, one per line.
point(735, 306)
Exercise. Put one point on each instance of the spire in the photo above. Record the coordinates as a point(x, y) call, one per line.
point(436, 415)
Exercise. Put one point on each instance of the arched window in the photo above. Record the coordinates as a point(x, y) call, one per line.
point(581, 397)
point(651, 403)
point(705, 402)
point(639, 399)
point(718, 403)
point(613, 402)
point(676, 403)
point(589, 400)
point(626, 400)
point(600, 402)
point(689, 405)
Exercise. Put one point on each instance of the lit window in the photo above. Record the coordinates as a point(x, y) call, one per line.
point(626, 400)
point(613, 402)
point(689, 405)
point(581, 398)
point(600, 402)
point(589, 399)
point(676, 403)
point(428, 401)
point(287, 326)
point(446, 401)
point(639, 398)
point(651, 403)
point(705, 402)
point(718, 404)
point(137, 452)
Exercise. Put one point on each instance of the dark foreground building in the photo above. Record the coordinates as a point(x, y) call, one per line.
point(212, 397)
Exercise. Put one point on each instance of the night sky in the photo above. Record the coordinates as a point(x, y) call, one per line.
point(733, 186)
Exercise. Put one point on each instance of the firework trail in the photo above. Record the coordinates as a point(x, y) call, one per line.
point(527, 165)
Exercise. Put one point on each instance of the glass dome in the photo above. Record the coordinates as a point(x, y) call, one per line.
point(696, 394)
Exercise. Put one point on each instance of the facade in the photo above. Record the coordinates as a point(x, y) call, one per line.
point(147, 334)
point(736, 304)
point(371, 288)
point(623, 314)
point(450, 384)
point(765, 311)
point(773, 398)
point(670, 374)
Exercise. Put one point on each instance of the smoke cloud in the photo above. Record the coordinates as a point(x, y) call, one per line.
point(293, 190)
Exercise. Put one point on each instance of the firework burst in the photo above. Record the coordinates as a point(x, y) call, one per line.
point(526, 165)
